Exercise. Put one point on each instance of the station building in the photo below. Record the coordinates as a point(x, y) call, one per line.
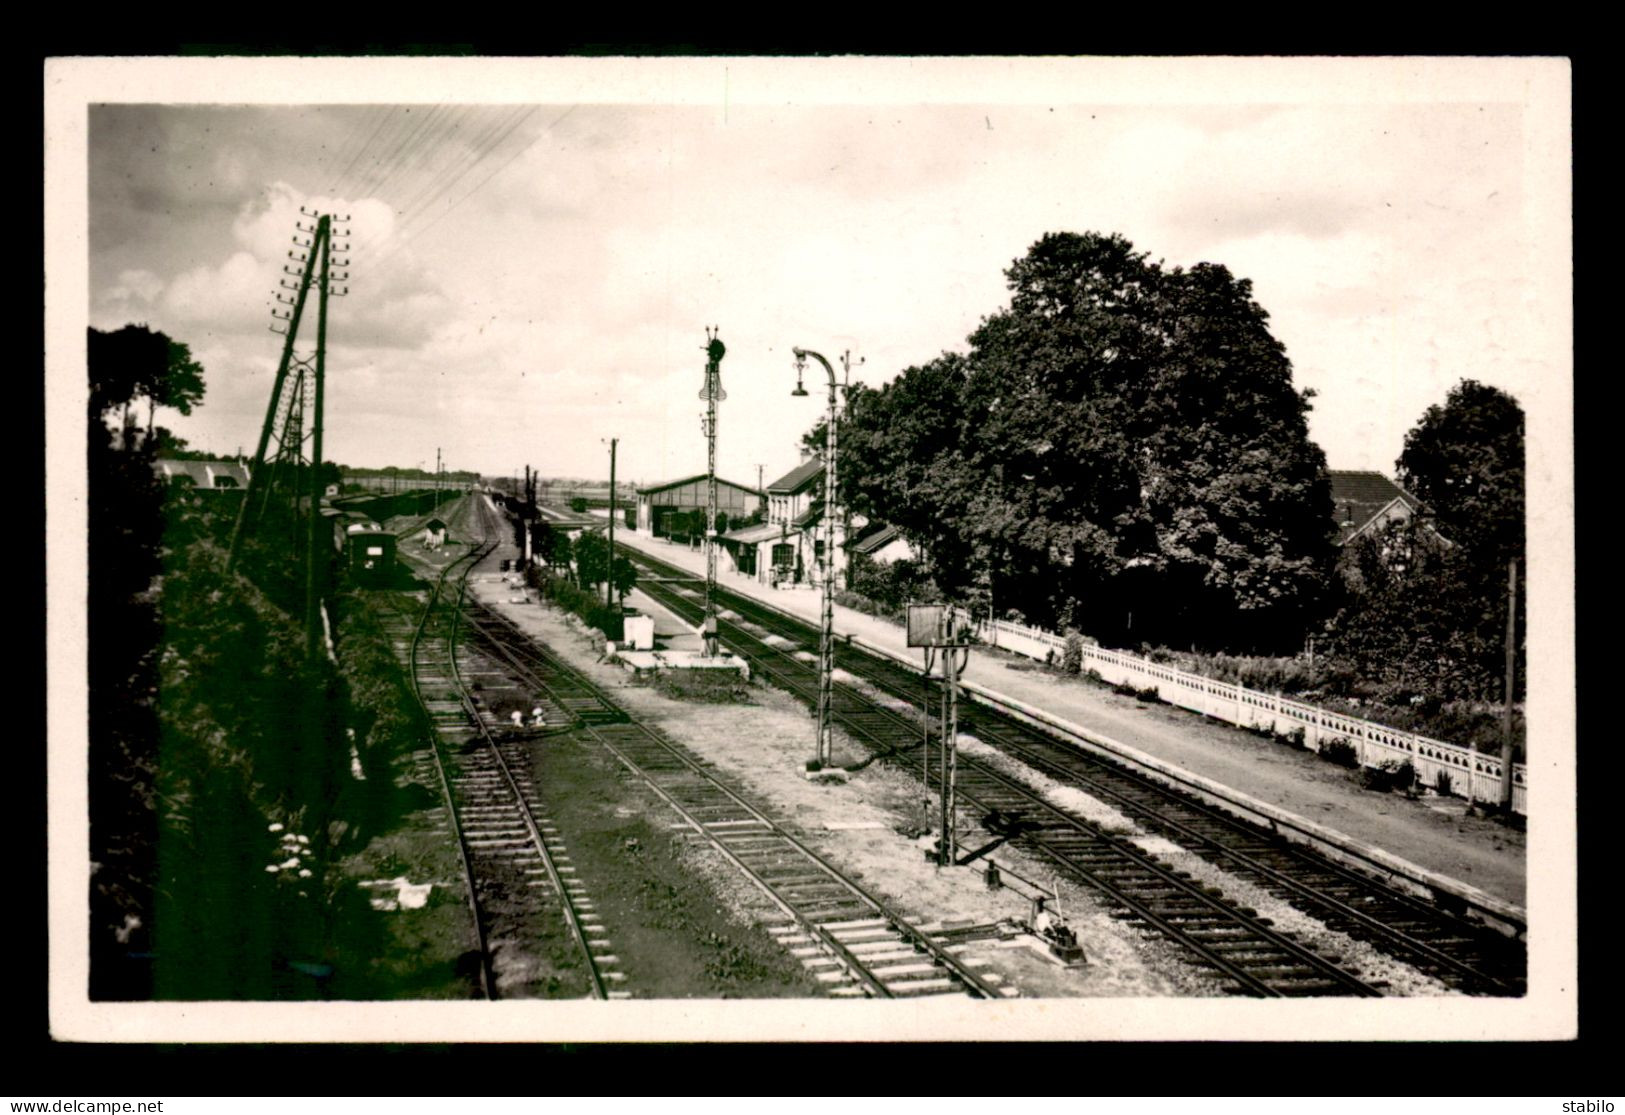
point(788, 548)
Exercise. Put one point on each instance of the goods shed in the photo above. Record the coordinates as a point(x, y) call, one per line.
point(659, 503)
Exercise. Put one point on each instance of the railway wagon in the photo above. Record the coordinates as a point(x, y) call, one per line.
point(365, 548)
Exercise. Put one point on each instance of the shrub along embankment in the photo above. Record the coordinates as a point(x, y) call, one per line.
point(589, 606)
point(272, 767)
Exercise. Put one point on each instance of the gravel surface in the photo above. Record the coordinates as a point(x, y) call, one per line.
point(761, 746)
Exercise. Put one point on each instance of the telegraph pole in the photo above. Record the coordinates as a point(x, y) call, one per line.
point(437, 480)
point(313, 598)
point(609, 582)
point(256, 477)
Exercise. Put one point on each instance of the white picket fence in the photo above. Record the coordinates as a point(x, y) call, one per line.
point(1472, 774)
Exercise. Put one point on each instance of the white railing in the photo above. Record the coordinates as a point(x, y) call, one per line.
point(1474, 775)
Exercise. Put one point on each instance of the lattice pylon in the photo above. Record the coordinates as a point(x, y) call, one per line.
point(293, 414)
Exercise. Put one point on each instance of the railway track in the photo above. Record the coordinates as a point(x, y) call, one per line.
point(536, 933)
point(1246, 951)
point(852, 941)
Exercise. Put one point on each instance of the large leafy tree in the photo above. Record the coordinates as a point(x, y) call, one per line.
point(1464, 459)
point(1121, 448)
point(1429, 615)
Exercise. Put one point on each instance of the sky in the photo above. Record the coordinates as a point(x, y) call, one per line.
point(538, 247)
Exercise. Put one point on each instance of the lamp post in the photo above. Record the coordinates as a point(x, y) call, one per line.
point(826, 640)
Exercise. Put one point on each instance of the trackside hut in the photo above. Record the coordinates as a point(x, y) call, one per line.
point(659, 502)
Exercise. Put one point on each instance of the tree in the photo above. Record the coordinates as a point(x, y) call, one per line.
point(136, 362)
point(1121, 448)
point(1429, 610)
point(1465, 461)
point(126, 541)
point(560, 551)
point(593, 564)
point(592, 559)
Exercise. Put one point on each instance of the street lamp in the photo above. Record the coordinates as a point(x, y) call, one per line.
point(826, 640)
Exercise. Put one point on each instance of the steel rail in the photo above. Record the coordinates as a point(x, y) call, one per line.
point(487, 975)
point(572, 916)
point(1483, 947)
point(471, 711)
point(1419, 949)
point(1305, 957)
point(915, 936)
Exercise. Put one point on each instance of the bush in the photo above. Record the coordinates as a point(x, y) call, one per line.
point(1341, 752)
point(1072, 656)
point(1393, 774)
point(585, 604)
point(1149, 693)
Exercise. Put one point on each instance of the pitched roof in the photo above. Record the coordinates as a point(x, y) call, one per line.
point(204, 474)
point(798, 477)
point(661, 487)
point(869, 543)
point(1359, 497)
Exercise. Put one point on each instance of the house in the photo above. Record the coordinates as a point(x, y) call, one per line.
point(203, 475)
point(1366, 505)
point(1362, 502)
point(659, 504)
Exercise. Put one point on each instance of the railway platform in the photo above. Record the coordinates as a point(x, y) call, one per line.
point(1435, 834)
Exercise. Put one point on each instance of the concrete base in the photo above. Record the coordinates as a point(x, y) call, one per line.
point(649, 662)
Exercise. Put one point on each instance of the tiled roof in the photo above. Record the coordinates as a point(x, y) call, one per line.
point(1358, 497)
point(798, 477)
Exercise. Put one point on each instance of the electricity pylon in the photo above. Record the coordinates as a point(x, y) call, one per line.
point(293, 417)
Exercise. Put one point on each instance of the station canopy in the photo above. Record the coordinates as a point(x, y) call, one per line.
point(749, 535)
